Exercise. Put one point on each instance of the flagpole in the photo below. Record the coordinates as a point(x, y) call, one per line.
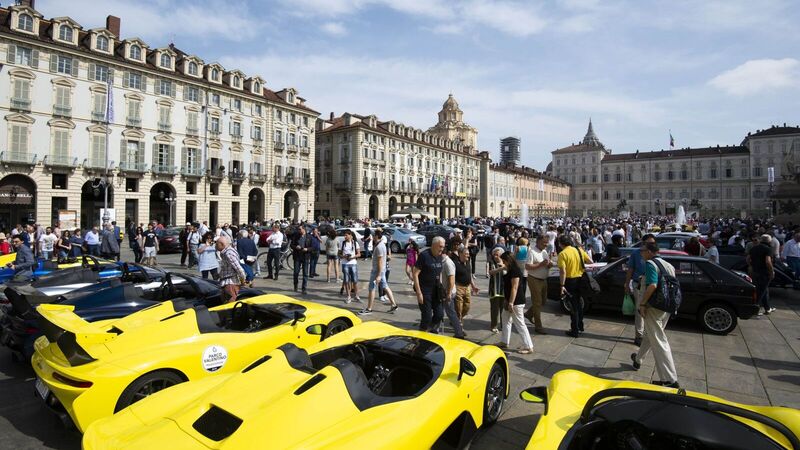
point(109, 104)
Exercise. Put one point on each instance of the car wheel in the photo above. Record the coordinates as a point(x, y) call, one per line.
point(717, 318)
point(147, 385)
point(567, 306)
point(335, 327)
point(495, 395)
point(396, 247)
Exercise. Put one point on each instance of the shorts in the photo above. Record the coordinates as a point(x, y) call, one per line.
point(333, 257)
point(372, 284)
point(149, 252)
point(350, 273)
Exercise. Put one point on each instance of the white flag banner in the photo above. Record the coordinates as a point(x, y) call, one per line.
point(110, 100)
point(770, 174)
point(541, 185)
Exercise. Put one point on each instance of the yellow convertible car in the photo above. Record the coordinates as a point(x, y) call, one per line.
point(91, 370)
point(584, 412)
point(373, 386)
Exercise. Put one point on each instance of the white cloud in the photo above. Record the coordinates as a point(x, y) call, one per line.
point(448, 28)
point(162, 19)
point(759, 75)
point(519, 19)
point(334, 28)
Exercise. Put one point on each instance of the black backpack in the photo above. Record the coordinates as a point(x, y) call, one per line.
point(668, 294)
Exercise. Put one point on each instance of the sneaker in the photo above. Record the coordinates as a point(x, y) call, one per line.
point(637, 341)
point(525, 351)
point(365, 312)
point(348, 300)
point(636, 365)
point(357, 299)
point(495, 331)
point(383, 299)
point(393, 309)
point(771, 310)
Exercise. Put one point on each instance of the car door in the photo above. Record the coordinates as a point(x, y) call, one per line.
point(612, 285)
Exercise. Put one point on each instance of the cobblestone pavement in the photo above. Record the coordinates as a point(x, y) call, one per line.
point(758, 363)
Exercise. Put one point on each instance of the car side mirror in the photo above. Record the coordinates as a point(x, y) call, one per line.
point(537, 394)
point(465, 366)
point(314, 330)
point(298, 317)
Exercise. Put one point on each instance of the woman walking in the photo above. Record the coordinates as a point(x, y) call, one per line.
point(332, 254)
point(207, 257)
point(496, 288)
point(412, 251)
point(63, 246)
point(514, 288)
point(135, 243)
point(472, 246)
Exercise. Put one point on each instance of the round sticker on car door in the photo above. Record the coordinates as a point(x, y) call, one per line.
point(214, 358)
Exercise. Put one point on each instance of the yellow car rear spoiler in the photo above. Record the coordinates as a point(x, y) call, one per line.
point(74, 336)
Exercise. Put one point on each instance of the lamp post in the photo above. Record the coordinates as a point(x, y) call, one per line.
point(170, 204)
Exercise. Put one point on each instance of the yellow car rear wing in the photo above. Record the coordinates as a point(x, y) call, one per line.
point(80, 341)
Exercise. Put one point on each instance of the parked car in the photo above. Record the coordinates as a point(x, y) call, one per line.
point(676, 240)
point(168, 241)
point(263, 234)
point(431, 231)
point(357, 235)
point(712, 294)
point(398, 239)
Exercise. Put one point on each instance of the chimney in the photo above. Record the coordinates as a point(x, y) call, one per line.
point(331, 115)
point(30, 3)
point(112, 25)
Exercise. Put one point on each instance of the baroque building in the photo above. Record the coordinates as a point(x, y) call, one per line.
point(721, 180)
point(187, 139)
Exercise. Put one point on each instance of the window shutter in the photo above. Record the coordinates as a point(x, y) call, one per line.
point(252, 132)
point(75, 66)
point(172, 89)
point(185, 158)
point(111, 75)
point(171, 157)
point(140, 153)
point(155, 154)
point(144, 83)
point(123, 150)
point(230, 127)
point(126, 79)
point(11, 53)
point(53, 62)
point(35, 59)
point(91, 71)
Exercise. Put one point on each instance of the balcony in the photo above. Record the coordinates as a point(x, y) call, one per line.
point(236, 138)
point(306, 181)
point(258, 178)
point(65, 112)
point(133, 122)
point(164, 169)
point(192, 171)
point(60, 161)
point(305, 150)
point(95, 165)
point(20, 104)
point(192, 131)
point(98, 116)
point(342, 186)
point(237, 176)
point(10, 158)
point(132, 167)
point(257, 139)
point(164, 127)
point(213, 134)
point(374, 185)
point(216, 173)
point(291, 148)
point(279, 146)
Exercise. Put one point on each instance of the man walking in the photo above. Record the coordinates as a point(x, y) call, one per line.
point(109, 247)
point(150, 245)
point(274, 242)
point(183, 241)
point(117, 237)
point(538, 266)
point(301, 249)
point(193, 240)
point(92, 240)
point(231, 274)
point(791, 254)
point(655, 320)
point(759, 260)
point(377, 278)
point(427, 285)
point(634, 285)
point(24, 262)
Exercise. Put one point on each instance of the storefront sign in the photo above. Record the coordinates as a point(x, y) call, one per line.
point(68, 219)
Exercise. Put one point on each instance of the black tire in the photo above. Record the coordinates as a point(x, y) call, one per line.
point(567, 307)
point(396, 247)
point(146, 385)
point(717, 318)
point(495, 395)
point(335, 327)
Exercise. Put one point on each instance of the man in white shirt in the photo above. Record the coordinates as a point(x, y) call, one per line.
point(46, 243)
point(538, 266)
point(791, 253)
point(274, 242)
point(193, 240)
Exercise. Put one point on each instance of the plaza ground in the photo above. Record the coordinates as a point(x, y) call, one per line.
point(759, 363)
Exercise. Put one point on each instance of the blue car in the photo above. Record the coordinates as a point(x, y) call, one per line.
point(46, 267)
point(111, 299)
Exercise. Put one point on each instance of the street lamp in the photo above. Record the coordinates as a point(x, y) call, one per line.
point(170, 203)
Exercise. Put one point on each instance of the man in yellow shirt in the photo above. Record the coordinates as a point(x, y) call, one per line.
point(571, 267)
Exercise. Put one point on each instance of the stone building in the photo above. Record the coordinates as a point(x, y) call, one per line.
point(508, 187)
point(188, 139)
point(721, 180)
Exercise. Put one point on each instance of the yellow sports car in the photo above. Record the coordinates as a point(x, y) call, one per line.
point(584, 412)
point(91, 370)
point(373, 386)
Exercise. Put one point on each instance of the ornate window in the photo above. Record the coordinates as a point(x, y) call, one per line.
point(25, 22)
point(65, 33)
point(102, 43)
point(215, 74)
point(166, 61)
point(135, 52)
point(193, 68)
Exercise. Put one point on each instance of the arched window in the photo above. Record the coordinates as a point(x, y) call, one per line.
point(236, 81)
point(136, 52)
point(192, 68)
point(215, 74)
point(65, 33)
point(166, 61)
point(25, 22)
point(257, 87)
point(102, 43)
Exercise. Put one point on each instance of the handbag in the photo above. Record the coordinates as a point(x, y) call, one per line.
point(587, 281)
point(628, 305)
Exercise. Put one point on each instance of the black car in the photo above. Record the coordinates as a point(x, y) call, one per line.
point(168, 241)
point(712, 294)
point(733, 257)
point(431, 231)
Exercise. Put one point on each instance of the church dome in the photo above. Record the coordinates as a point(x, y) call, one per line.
point(450, 103)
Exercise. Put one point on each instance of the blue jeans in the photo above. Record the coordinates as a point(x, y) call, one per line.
point(94, 250)
point(273, 260)
point(573, 286)
point(300, 264)
point(431, 313)
point(312, 263)
point(794, 263)
point(46, 255)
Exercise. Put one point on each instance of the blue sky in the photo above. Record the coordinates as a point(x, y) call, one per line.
point(708, 70)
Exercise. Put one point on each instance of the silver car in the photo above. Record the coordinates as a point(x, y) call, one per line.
point(398, 239)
